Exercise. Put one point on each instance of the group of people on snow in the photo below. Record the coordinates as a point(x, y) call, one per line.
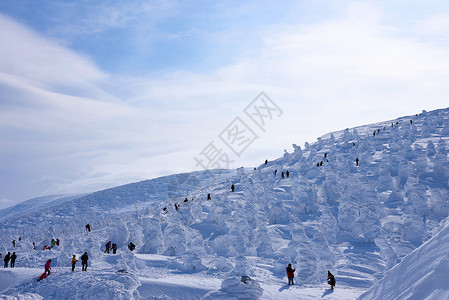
point(84, 259)
point(291, 276)
point(9, 258)
point(110, 246)
point(53, 243)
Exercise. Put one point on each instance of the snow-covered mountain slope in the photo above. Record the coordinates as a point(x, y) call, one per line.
point(329, 214)
point(420, 275)
point(34, 205)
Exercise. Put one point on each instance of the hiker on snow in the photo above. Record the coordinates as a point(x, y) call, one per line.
point(14, 243)
point(88, 227)
point(13, 259)
point(74, 260)
point(357, 161)
point(6, 259)
point(114, 248)
point(84, 259)
point(330, 279)
point(108, 246)
point(53, 243)
point(47, 267)
point(287, 173)
point(290, 274)
point(131, 246)
point(232, 188)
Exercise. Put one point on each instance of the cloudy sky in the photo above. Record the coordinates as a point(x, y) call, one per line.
point(95, 94)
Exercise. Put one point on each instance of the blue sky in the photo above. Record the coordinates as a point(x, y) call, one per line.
point(99, 93)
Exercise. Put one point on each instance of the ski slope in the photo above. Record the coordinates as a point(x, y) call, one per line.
point(378, 227)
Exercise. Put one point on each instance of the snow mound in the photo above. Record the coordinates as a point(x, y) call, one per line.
point(234, 288)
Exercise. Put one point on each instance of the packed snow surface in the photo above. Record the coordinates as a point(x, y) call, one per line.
point(377, 224)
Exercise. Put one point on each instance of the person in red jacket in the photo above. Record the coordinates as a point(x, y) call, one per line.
point(47, 267)
point(290, 274)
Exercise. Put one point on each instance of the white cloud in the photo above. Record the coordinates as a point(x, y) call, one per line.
point(4, 203)
point(41, 62)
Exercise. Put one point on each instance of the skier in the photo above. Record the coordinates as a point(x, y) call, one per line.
point(131, 246)
point(84, 259)
point(114, 248)
point(290, 274)
point(74, 260)
point(357, 161)
point(108, 246)
point(330, 279)
point(47, 267)
point(208, 196)
point(13, 259)
point(232, 188)
point(287, 173)
point(6, 259)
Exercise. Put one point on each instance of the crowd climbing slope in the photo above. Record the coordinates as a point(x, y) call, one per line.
point(356, 219)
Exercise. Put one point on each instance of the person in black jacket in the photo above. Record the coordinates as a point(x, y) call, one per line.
point(330, 279)
point(84, 259)
point(13, 259)
point(6, 259)
point(131, 246)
